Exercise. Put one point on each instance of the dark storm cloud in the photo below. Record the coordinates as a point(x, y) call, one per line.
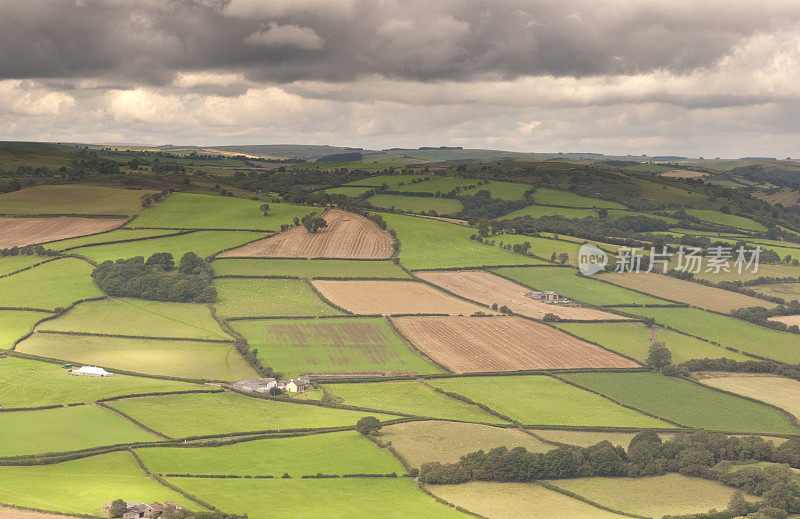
point(148, 41)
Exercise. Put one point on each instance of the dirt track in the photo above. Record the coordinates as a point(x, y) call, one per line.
point(475, 344)
point(18, 232)
point(348, 235)
point(488, 289)
point(393, 297)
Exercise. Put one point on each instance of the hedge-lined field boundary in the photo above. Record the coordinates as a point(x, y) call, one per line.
point(573, 495)
point(48, 260)
point(140, 337)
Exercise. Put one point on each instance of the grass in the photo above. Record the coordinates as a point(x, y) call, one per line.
point(633, 340)
point(330, 498)
point(764, 270)
point(421, 442)
point(347, 190)
point(538, 211)
point(30, 383)
point(409, 397)
point(202, 243)
point(786, 291)
point(729, 220)
point(308, 268)
point(15, 324)
point(589, 438)
point(686, 403)
point(188, 211)
point(121, 316)
point(9, 264)
point(115, 235)
point(269, 297)
point(568, 283)
point(518, 500)
point(82, 486)
point(65, 429)
point(346, 452)
point(416, 204)
point(181, 416)
point(79, 200)
point(55, 284)
point(727, 331)
point(453, 247)
point(543, 400)
point(672, 494)
point(548, 196)
point(330, 345)
point(184, 359)
point(778, 391)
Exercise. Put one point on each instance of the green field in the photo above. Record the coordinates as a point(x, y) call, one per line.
point(329, 498)
point(187, 211)
point(346, 452)
point(786, 291)
point(686, 403)
point(411, 398)
point(121, 316)
point(538, 211)
point(518, 500)
point(426, 441)
point(347, 190)
point(65, 429)
point(55, 284)
point(416, 204)
point(221, 413)
point(568, 283)
point(542, 400)
point(78, 200)
point(82, 486)
point(452, 249)
point(9, 264)
point(330, 345)
point(308, 268)
point(633, 340)
point(268, 297)
point(547, 196)
point(657, 496)
point(727, 331)
point(15, 324)
point(393, 181)
point(30, 383)
point(115, 235)
point(202, 243)
point(726, 219)
point(184, 359)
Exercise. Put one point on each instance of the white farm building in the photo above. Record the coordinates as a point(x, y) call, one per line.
point(91, 371)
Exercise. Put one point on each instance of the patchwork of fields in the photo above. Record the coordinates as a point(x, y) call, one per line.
point(410, 331)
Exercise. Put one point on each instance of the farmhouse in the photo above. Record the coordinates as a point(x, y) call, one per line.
point(298, 385)
point(537, 295)
point(135, 510)
point(256, 385)
point(90, 371)
point(549, 296)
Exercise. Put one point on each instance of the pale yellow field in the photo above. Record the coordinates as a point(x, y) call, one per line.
point(778, 391)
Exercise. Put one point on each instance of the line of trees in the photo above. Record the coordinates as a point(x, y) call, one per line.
point(157, 278)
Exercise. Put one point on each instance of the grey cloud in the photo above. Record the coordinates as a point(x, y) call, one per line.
point(146, 42)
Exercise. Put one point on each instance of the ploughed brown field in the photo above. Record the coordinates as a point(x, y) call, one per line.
point(392, 297)
point(684, 173)
point(503, 343)
point(488, 289)
point(12, 513)
point(348, 235)
point(18, 232)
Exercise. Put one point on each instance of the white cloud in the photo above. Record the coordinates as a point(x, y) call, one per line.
point(24, 98)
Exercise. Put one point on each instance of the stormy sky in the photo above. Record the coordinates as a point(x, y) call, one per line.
point(699, 78)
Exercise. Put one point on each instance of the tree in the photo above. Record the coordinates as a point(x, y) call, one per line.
point(563, 258)
point(659, 357)
point(191, 263)
point(313, 223)
point(553, 257)
point(550, 318)
point(738, 505)
point(117, 508)
point(602, 212)
point(483, 228)
point(162, 260)
point(264, 209)
point(368, 425)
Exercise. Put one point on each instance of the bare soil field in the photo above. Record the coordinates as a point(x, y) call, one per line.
point(688, 292)
point(12, 513)
point(788, 320)
point(684, 173)
point(348, 235)
point(18, 232)
point(392, 297)
point(778, 391)
point(488, 289)
point(503, 343)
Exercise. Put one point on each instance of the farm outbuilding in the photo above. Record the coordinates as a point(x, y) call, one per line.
point(256, 385)
point(91, 371)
